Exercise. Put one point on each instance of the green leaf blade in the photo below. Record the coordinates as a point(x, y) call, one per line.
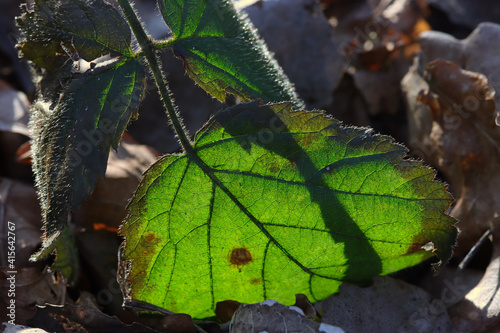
point(90, 85)
point(94, 28)
point(71, 141)
point(276, 203)
point(222, 52)
point(177, 13)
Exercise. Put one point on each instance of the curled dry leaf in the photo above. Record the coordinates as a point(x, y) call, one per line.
point(301, 38)
point(32, 287)
point(271, 316)
point(388, 37)
point(376, 38)
point(9, 328)
point(14, 112)
point(480, 309)
point(477, 53)
point(13, 131)
point(376, 41)
point(388, 305)
point(19, 209)
point(361, 33)
point(468, 13)
point(452, 116)
point(81, 318)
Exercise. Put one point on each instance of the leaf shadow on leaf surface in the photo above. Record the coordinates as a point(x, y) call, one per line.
point(329, 204)
point(272, 200)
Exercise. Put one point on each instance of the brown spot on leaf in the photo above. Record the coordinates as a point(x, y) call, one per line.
point(414, 248)
point(274, 167)
point(150, 237)
point(240, 257)
point(255, 281)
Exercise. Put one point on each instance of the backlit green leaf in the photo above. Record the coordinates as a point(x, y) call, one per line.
point(272, 203)
point(222, 52)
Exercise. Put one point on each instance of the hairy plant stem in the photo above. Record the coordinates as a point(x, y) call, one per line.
point(163, 44)
point(148, 48)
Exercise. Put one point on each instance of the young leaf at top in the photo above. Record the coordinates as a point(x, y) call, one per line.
point(271, 203)
point(89, 30)
point(81, 111)
point(222, 52)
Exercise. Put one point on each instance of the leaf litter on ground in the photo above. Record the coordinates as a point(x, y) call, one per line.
point(454, 125)
point(240, 251)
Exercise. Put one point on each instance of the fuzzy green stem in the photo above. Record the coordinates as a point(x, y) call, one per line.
point(148, 48)
point(163, 44)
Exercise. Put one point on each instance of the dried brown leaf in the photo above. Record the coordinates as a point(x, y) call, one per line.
point(32, 287)
point(271, 316)
point(479, 311)
point(452, 113)
point(81, 318)
point(301, 39)
point(387, 306)
point(19, 206)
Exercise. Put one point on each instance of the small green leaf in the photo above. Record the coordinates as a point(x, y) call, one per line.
point(89, 29)
point(93, 27)
point(81, 112)
point(71, 142)
point(66, 255)
point(222, 52)
point(272, 203)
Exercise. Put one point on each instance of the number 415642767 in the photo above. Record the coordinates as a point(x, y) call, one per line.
point(11, 245)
